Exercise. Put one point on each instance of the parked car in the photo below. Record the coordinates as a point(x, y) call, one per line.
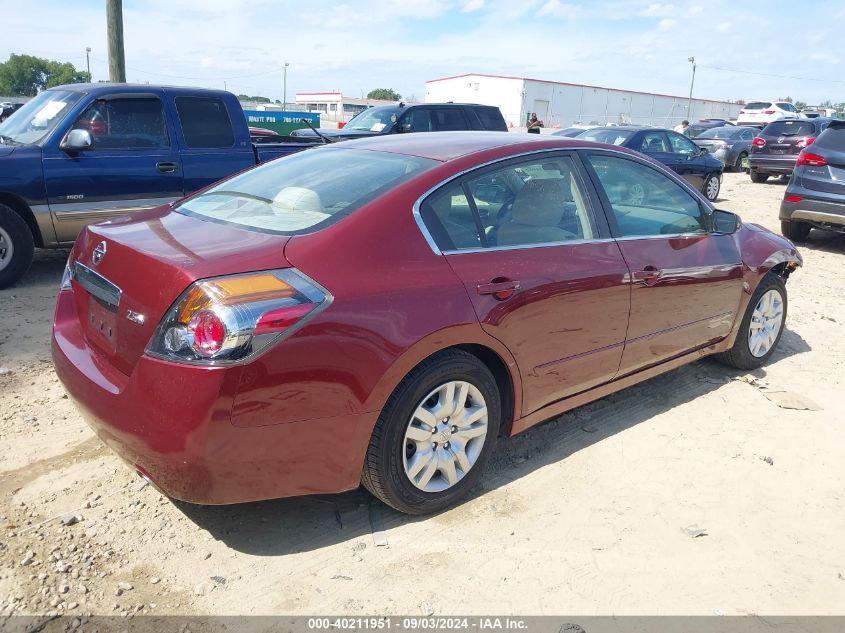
point(817, 111)
point(86, 152)
point(8, 108)
point(696, 128)
point(569, 132)
point(815, 195)
point(702, 171)
point(775, 149)
point(729, 143)
point(761, 113)
point(282, 338)
point(424, 117)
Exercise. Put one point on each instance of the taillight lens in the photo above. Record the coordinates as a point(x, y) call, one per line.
point(813, 160)
point(742, 111)
point(758, 142)
point(229, 319)
point(793, 198)
point(67, 276)
point(768, 112)
point(806, 142)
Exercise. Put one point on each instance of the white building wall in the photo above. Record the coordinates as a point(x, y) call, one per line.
point(561, 105)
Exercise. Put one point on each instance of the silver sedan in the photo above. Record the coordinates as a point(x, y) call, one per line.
point(729, 143)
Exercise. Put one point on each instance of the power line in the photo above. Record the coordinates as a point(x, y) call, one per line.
point(750, 72)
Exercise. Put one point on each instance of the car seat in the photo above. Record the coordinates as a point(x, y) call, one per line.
point(537, 212)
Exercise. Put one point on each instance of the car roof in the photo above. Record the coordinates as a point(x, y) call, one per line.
point(446, 146)
point(111, 88)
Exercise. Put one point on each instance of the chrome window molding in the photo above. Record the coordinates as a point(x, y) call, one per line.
point(481, 249)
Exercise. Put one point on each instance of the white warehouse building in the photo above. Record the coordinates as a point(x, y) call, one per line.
point(560, 104)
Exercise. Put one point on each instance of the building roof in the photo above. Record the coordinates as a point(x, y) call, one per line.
point(564, 83)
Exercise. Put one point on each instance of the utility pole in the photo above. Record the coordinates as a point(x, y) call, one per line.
point(114, 27)
point(691, 60)
point(88, 61)
point(285, 89)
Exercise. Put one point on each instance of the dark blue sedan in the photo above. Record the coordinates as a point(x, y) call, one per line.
point(676, 151)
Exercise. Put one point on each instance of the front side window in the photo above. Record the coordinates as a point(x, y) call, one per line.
point(682, 145)
point(654, 142)
point(644, 201)
point(305, 191)
point(523, 204)
point(205, 122)
point(125, 124)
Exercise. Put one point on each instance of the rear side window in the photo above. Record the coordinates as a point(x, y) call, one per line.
point(305, 191)
point(757, 105)
point(448, 119)
point(491, 119)
point(125, 124)
point(832, 138)
point(790, 128)
point(205, 122)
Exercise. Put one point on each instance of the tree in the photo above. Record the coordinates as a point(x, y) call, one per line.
point(25, 75)
point(387, 94)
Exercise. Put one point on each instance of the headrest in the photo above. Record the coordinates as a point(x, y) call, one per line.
point(540, 202)
point(297, 199)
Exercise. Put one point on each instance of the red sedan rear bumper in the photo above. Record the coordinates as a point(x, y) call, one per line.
point(181, 437)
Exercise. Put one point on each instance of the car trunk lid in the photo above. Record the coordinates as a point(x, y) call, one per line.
point(129, 271)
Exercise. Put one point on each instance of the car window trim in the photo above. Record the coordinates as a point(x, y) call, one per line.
point(592, 202)
point(703, 205)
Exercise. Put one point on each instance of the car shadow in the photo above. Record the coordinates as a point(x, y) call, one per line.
point(290, 526)
point(828, 241)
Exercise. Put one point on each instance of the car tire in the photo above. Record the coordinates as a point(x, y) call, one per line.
point(16, 246)
point(795, 231)
point(760, 319)
point(756, 176)
point(738, 163)
point(407, 465)
point(712, 186)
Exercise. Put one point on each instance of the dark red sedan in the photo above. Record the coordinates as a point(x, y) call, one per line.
point(380, 311)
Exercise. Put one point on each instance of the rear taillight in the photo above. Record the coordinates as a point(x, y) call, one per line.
point(67, 276)
point(805, 142)
point(813, 160)
point(793, 198)
point(229, 319)
point(758, 142)
point(742, 111)
point(768, 112)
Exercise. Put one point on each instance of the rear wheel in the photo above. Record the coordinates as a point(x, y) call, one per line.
point(757, 176)
point(761, 327)
point(711, 187)
point(793, 230)
point(739, 159)
point(16, 246)
point(434, 435)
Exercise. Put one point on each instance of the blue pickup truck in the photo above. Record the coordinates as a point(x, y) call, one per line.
point(83, 153)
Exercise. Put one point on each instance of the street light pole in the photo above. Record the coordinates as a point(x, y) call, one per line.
point(691, 60)
point(88, 61)
point(285, 104)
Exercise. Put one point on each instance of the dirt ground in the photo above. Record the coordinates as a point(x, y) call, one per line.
point(594, 513)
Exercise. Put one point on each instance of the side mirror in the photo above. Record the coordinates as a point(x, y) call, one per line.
point(703, 150)
point(725, 222)
point(77, 140)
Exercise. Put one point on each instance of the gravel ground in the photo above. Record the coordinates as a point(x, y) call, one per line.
point(693, 493)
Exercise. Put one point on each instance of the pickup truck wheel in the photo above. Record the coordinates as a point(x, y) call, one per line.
point(761, 327)
point(16, 246)
point(795, 231)
point(434, 435)
point(757, 176)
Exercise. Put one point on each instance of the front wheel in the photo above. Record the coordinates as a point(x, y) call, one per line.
point(434, 435)
point(761, 327)
point(795, 231)
point(16, 246)
point(711, 187)
point(757, 176)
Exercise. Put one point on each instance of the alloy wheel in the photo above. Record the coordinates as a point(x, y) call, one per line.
point(766, 322)
point(712, 190)
point(7, 248)
point(445, 436)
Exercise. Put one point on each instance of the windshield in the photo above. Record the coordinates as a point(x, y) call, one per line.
point(305, 191)
point(720, 132)
point(604, 135)
point(374, 119)
point(39, 116)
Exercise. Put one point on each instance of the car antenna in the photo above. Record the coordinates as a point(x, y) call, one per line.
point(326, 139)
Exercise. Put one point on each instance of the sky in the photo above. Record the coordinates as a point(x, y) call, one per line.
point(743, 49)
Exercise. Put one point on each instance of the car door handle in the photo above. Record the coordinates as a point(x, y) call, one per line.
point(648, 275)
point(501, 289)
point(166, 167)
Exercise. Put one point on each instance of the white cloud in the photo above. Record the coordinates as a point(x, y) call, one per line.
point(666, 23)
point(724, 27)
point(826, 58)
point(472, 5)
point(658, 10)
point(557, 9)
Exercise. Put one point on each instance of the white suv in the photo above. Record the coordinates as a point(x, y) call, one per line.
point(761, 113)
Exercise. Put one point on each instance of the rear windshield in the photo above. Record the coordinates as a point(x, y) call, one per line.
point(605, 135)
point(757, 105)
point(720, 132)
point(790, 128)
point(832, 138)
point(304, 192)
